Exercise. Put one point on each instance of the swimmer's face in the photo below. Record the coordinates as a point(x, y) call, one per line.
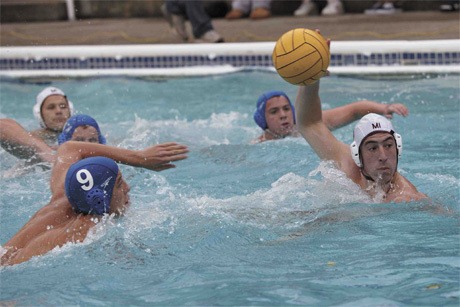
point(120, 196)
point(279, 116)
point(379, 156)
point(55, 112)
point(85, 134)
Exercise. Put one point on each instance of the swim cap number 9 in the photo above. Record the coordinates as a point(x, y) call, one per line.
point(87, 182)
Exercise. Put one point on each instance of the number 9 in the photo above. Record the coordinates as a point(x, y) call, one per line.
point(87, 182)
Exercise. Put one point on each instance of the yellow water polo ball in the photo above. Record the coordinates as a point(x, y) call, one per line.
point(301, 56)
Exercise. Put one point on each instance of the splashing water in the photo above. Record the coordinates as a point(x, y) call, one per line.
point(242, 224)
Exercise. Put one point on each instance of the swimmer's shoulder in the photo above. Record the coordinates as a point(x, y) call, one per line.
point(259, 139)
point(49, 137)
point(39, 133)
point(406, 190)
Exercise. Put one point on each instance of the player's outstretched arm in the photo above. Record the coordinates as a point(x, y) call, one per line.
point(22, 144)
point(343, 115)
point(312, 127)
point(158, 157)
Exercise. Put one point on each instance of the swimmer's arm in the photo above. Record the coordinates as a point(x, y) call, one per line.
point(310, 124)
point(322, 218)
point(41, 222)
point(42, 242)
point(157, 158)
point(35, 247)
point(23, 144)
point(343, 115)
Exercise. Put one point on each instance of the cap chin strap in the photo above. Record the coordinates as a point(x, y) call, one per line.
point(355, 149)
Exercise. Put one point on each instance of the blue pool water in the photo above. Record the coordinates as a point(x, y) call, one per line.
point(241, 224)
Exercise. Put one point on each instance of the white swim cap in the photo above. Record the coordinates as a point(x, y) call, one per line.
point(369, 124)
point(49, 91)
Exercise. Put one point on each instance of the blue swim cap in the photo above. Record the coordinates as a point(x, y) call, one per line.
point(259, 114)
point(76, 121)
point(89, 185)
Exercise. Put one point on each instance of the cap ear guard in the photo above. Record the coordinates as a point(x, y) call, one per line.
point(260, 119)
point(71, 108)
point(399, 145)
point(355, 154)
point(95, 199)
point(355, 149)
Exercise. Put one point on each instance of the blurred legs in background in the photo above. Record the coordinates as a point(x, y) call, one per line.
point(177, 12)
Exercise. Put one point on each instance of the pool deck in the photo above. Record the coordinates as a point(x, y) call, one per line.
point(422, 25)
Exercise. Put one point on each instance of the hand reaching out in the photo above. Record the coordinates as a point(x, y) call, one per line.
point(397, 108)
point(159, 157)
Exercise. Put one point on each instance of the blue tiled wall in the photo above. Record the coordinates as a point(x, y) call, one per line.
point(443, 58)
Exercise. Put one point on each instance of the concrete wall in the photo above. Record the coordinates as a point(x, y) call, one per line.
point(49, 10)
